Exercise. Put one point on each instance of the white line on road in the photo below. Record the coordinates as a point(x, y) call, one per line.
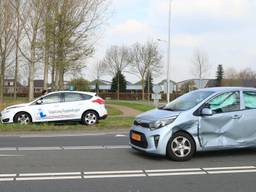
point(126, 173)
point(48, 174)
point(173, 174)
point(8, 149)
point(120, 135)
point(232, 171)
point(172, 170)
point(113, 176)
point(6, 179)
point(10, 155)
point(60, 148)
point(228, 168)
point(112, 172)
point(7, 175)
point(47, 178)
point(39, 148)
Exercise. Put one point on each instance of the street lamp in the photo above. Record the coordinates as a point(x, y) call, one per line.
point(169, 52)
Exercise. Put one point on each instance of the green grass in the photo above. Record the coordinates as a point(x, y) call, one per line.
point(10, 101)
point(111, 123)
point(113, 111)
point(132, 104)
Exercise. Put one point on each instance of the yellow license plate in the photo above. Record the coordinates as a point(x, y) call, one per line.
point(136, 137)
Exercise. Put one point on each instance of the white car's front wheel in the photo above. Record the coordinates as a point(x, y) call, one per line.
point(90, 118)
point(22, 118)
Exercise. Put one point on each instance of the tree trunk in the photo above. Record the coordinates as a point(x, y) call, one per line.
point(142, 89)
point(31, 72)
point(118, 86)
point(2, 78)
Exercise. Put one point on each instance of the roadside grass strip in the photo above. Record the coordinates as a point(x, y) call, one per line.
point(84, 175)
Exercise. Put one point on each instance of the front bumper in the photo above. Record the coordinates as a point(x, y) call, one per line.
point(154, 142)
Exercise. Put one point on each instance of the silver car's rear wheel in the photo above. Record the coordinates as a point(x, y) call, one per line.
point(22, 118)
point(181, 147)
point(89, 118)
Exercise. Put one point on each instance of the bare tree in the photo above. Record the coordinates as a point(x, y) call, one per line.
point(200, 65)
point(116, 61)
point(6, 39)
point(244, 74)
point(18, 6)
point(72, 28)
point(31, 22)
point(99, 71)
point(145, 57)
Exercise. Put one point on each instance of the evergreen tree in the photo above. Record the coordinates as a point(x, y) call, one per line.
point(219, 75)
point(148, 88)
point(118, 82)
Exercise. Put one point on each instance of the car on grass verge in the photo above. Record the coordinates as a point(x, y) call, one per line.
point(201, 120)
point(86, 107)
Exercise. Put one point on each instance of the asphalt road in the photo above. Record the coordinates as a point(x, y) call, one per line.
point(105, 162)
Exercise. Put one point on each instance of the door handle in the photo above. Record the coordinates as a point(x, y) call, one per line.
point(236, 116)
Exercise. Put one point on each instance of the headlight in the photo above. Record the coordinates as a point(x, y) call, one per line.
point(161, 123)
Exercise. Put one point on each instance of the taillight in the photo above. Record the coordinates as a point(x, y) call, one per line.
point(99, 101)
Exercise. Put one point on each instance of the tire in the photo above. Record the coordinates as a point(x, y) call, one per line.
point(181, 147)
point(22, 118)
point(90, 118)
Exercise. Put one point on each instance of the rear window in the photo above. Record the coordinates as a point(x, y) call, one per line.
point(69, 97)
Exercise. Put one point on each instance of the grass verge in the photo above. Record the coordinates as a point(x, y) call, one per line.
point(111, 123)
point(134, 105)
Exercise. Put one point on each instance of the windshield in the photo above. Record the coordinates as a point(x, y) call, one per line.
point(187, 101)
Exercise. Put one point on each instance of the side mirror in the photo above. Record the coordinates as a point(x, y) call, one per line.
point(39, 101)
point(206, 112)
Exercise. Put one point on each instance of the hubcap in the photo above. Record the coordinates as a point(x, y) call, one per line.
point(90, 119)
point(23, 119)
point(181, 146)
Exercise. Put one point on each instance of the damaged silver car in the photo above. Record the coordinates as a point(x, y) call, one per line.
point(201, 120)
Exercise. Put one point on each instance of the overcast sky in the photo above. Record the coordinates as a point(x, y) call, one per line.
point(224, 29)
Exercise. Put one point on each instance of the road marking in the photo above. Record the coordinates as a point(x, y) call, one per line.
point(176, 174)
point(47, 178)
point(7, 175)
point(113, 176)
point(112, 172)
point(172, 170)
point(228, 168)
point(61, 148)
point(120, 135)
point(7, 179)
point(232, 171)
point(10, 155)
point(39, 148)
point(8, 149)
point(48, 174)
point(126, 173)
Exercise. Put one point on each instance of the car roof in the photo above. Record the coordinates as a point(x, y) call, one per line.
point(225, 89)
point(81, 92)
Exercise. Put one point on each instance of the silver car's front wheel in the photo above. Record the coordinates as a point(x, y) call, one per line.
point(181, 147)
point(90, 118)
point(22, 118)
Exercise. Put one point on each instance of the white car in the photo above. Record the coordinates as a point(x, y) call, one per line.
point(86, 107)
